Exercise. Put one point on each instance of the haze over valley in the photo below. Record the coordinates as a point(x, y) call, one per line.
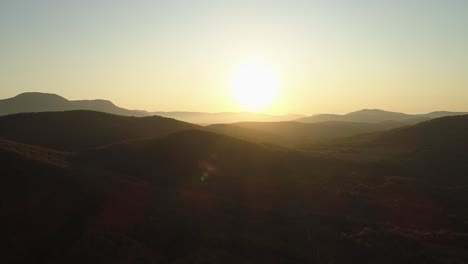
point(154, 188)
point(237, 132)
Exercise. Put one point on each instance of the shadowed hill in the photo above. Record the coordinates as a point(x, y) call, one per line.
point(225, 117)
point(191, 146)
point(435, 149)
point(75, 130)
point(250, 134)
point(192, 153)
point(439, 114)
point(449, 132)
point(44, 102)
point(377, 115)
point(32, 153)
point(184, 196)
point(196, 196)
point(215, 183)
point(365, 115)
point(40, 202)
point(297, 134)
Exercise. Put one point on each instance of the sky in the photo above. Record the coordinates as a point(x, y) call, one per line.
point(329, 56)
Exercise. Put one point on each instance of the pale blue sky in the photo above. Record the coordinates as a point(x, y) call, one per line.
point(330, 56)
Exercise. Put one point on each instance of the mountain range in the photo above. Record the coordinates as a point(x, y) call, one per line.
point(82, 184)
point(226, 117)
point(158, 190)
point(82, 129)
point(43, 102)
point(297, 134)
point(377, 115)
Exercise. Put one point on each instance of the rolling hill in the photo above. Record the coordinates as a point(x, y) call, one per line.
point(156, 190)
point(298, 134)
point(227, 181)
point(196, 196)
point(377, 116)
point(76, 130)
point(433, 150)
point(445, 132)
point(225, 117)
point(44, 102)
point(39, 198)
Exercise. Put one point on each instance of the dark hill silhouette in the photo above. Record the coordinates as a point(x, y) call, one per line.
point(75, 130)
point(377, 115)
point(434, 149)
point(44, 102)
point(225, 117)
point(147, 199)
point(224, 180)
point(439, 114)
point(193, 145)
point(298, 134)
point(186, 156)
point(39, 199)
point(33, 153)
point(249, 134)
point(448, 132)
point(196, 196)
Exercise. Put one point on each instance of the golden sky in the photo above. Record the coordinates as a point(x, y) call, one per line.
point(180, 55)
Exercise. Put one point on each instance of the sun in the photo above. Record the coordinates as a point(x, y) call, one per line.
point(254, 85)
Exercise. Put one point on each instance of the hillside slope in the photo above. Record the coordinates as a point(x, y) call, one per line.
point(297, 134)
point(377, 115)
point(44, 102)
point(446, 132)
point(225, 117)
point(76, 130)
point(433, 150)
point(195, 196)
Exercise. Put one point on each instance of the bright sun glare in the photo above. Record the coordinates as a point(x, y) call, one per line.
point(254, 85)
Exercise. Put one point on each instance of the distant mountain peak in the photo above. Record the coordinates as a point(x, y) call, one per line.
point(374, 116)
point(38, 95)
point(372, 111)
point(100, 102)
point(35, 93)
point(48, 102)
